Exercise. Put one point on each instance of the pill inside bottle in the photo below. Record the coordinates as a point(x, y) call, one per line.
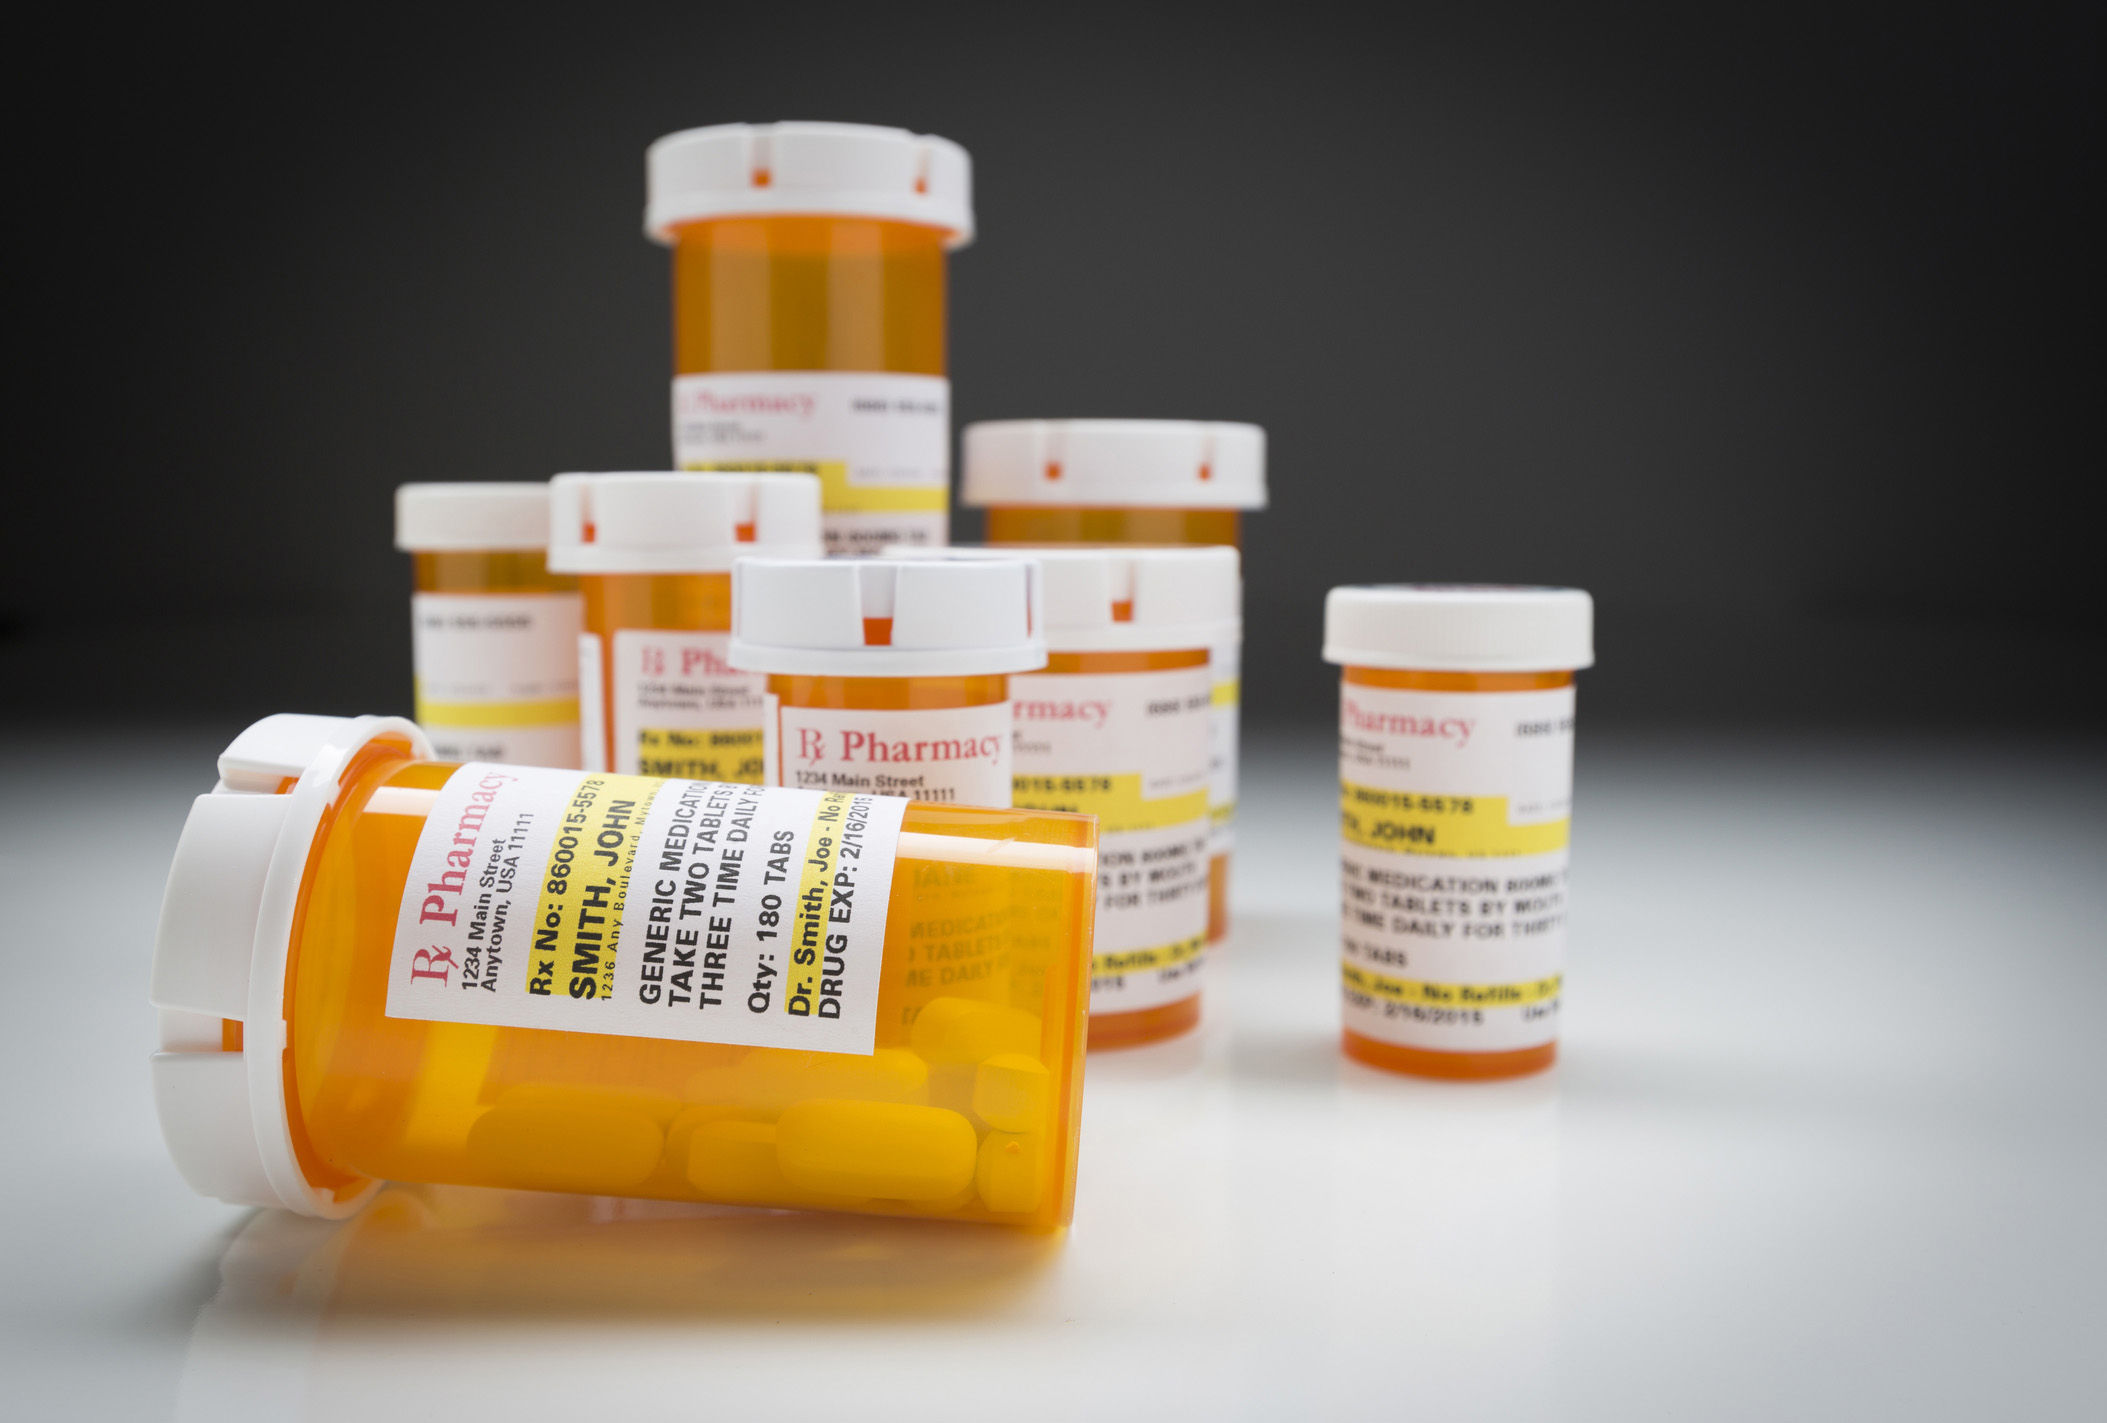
point(1133, 482)
point(1119, 725)
point(589, 982)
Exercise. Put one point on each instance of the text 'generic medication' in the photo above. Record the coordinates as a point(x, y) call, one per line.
point(808, 312)
point(1118, 726)
point(654, 554)
point(373, 966)
point(1132, 482)
point(493, 633)
point(889, 676)
point(1456, 793)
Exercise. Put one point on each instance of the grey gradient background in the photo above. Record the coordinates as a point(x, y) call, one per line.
point(1773, 328)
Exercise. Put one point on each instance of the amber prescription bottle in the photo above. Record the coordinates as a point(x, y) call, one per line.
point(889, 676)
point(808, 312)
point(373, 966)
point(1455, 810)
point(1132, 482)
point(493, 633)
point(653, 554)
point(1117, 726)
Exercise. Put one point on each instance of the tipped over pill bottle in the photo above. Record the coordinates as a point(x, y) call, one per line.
point(493, 633)
point(653, 554)
point(808, 312)
point(1132, 482)
point(889, 676)
point(1117, 726)
point(1455, 811)
point(372, 966)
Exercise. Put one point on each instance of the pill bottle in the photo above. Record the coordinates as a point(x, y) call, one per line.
point(808, 312)
point(493, 633)
point(889, 676)
point(1455, 810)
point(1132, 482)
point(1118, 726)
point(653, 554)
point(373, 966)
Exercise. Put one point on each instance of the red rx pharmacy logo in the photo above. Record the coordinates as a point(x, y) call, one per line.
point(433, 962)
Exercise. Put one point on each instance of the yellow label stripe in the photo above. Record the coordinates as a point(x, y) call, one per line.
point(578, 916)
point(837, 495)
point(1142, 960)
point(551, 711)
point(808, 928)
point(719, 754)
point(1116, 801)
point(1229, 693)
point(1452, 995)
point(1462, 825)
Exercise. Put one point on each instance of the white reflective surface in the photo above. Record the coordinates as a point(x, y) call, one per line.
point(1827, 1141)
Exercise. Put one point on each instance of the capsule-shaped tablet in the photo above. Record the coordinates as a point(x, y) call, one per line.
point(769, 1081)
point(1008, 1173)
point(571, 1138)
point(734, 1160)
point(962, 1031)
point(890, 1150)
point(1009, 1092)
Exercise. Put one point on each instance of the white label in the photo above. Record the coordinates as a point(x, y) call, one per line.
point(1132, 749)
point(880, 444)
point(496, 675)
point(1227, 662)
point(956, 755)
point(592, 704)
point(1455, 814)
point(691, 910)
point(680, 709)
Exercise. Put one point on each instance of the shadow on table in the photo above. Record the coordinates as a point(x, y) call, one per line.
point(457, 1251)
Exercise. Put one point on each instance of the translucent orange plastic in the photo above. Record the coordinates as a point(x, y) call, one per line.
point(977, 1079)
point(1058, 524)
point(808, 294)
point(679, 602)
point(488, 571)
point(1428, 1062)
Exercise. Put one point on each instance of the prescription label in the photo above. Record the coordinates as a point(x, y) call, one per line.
point(951, 755)
point(681, 709)
point(1227, 663)
point(598, 903)
point(1454, 814)
point(1133, 749)
point(880, 444)
point(496, 675)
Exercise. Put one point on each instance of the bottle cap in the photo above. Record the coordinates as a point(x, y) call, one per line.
point(449, 518)
point(220, 954)
point(1126, 598)
point(1115, 464)
point(885, 617)
point(1460, 627)
point(831, 170)
point(679, 523)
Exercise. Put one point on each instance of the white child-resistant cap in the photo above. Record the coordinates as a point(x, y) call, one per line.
point(1125, 598)
point(679, 523)
point(835, 170)
point(452, 518)
point(882, 617)
point(1460, 627)
point(226, 931)
point(1118, 464)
